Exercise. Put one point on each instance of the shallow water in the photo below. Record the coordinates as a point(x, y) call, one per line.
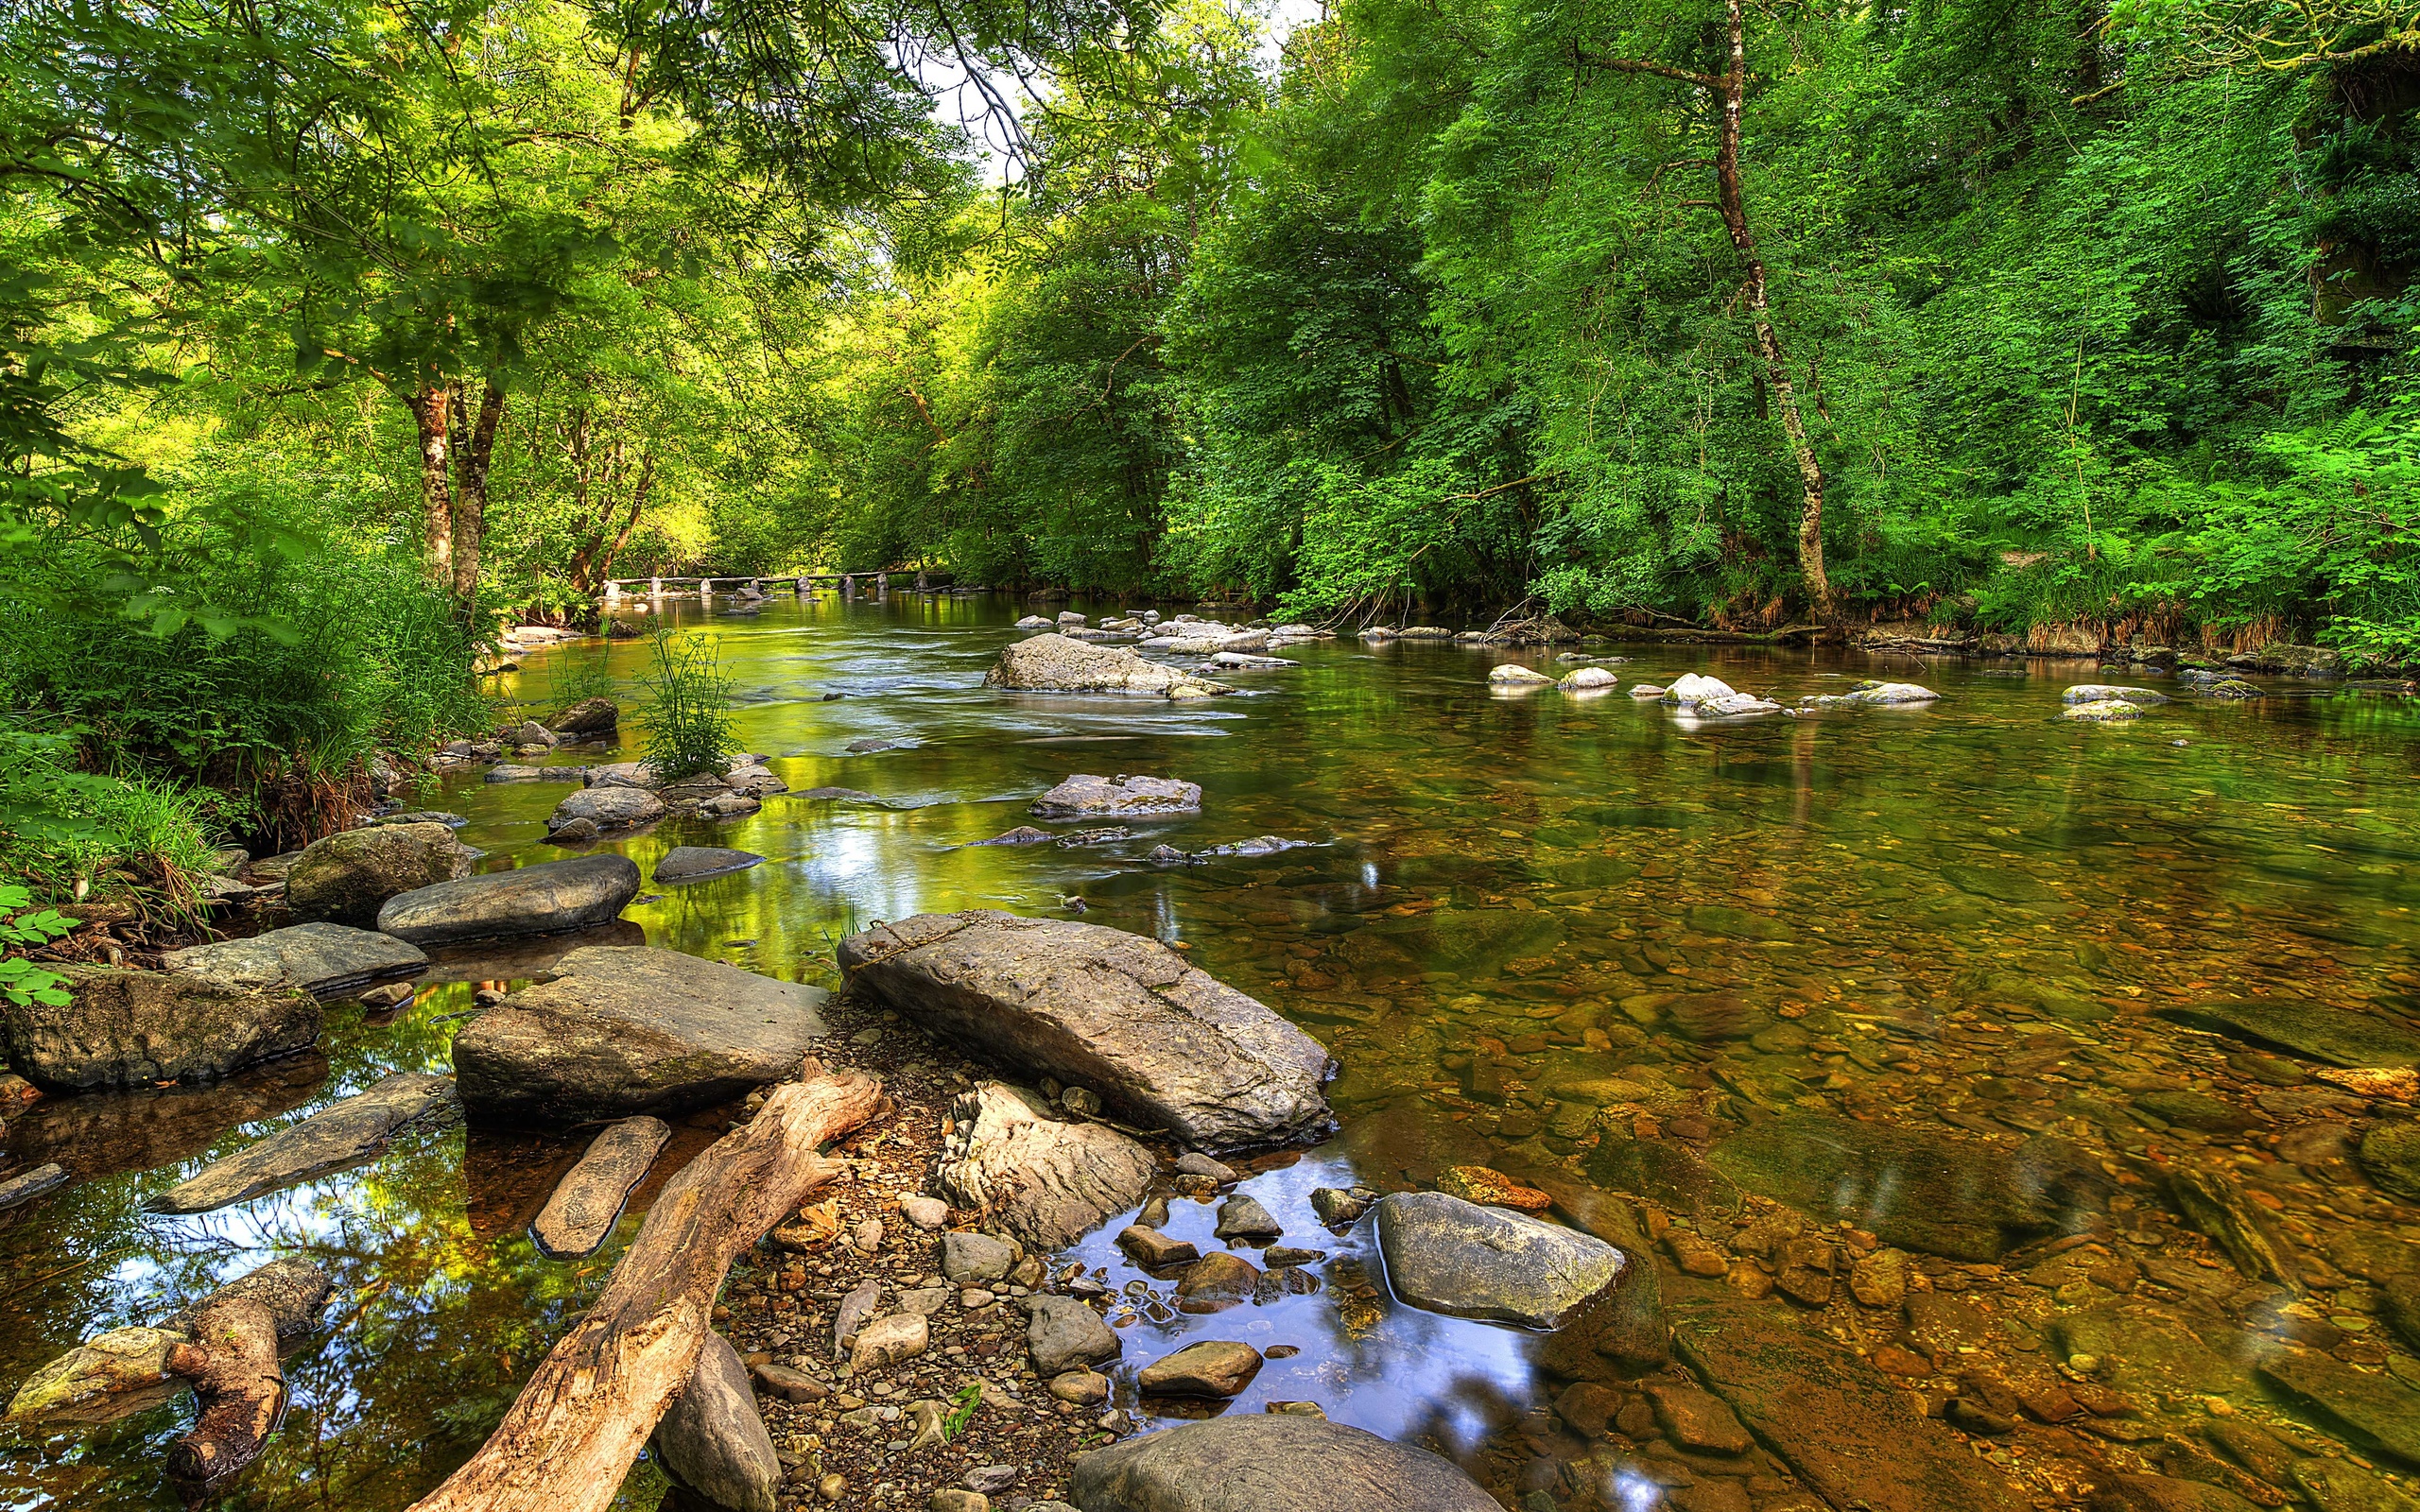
point(1530, 926)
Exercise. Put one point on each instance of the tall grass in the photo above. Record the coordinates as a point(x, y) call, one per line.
point(687, 719)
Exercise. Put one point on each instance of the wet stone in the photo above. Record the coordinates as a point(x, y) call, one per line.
point(343, 1135)
point(1243, 1217)
point(1214, 1367)
point(1216, 1282)
point(2378, 1411)
point(1063, 1334)
point(1152, 1249)
point(1446, 1255)
point(2336, 1487)
point(1698, 1419)
point(2336, 1036)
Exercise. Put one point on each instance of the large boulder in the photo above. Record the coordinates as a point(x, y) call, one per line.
point(1960, 1198)
point(341, 1135)
point(580, 893)
point(1162, 1041)
point(1045, 1181)
point(1272, 1462)
point(590, 716)
point(712, 1440)
point(1446, 1255)
point(1085, 796)
point(322, 959)
point(345, 877)
point(1054, 664)
point(122, 1028)
point(632, 1029)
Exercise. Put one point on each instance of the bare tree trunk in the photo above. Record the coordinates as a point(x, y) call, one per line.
point(430, 413)
point(471, 500)
point(1734, 91)
point(569, 1439)
point(233, 1365)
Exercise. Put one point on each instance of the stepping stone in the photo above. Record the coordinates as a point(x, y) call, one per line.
point(321, 958)
point(31, 1184)
point(333, 1139)
point(1446, 1255)
point(588, 1200)
point(689, 862)
point(548, 899)
point(1214, 1367)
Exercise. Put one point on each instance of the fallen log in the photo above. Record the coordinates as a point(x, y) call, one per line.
point(569, 1439)
point(232, 1362)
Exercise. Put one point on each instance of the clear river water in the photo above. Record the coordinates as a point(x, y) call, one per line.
point(1540, 932)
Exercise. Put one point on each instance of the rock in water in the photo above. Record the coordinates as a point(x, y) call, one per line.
point(332, 1139)
point(1711, 697)
point(590, 716)
point(558, 895)
point(1591, 679)
point(1063, 1334)
point(1957, 1198)
point(689, 862)
point(609, 810)
point(628, 1029)
point(322, 959)
point(1054, 664)
point(2109, 693)
point(1165, 1042)
point(28, 1185)
point(1854, 1437)
point(1085, 796)
point(346, 876)
point(126, 1371)
point(713, 1442)
point(1514, 675)
point(2379, 1412)
point(1213, 1368)
point(2391, 1154)
point(1047, 1182)
point(1448, 1256)
point(134, 1028)
point(2105, 711)
point(2340, 1036)
point(1273, 1461)
point(578, 1217)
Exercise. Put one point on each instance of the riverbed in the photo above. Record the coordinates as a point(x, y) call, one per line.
point(1573, 938)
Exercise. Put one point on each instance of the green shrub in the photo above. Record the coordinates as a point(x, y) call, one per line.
point(67, 831)
point(688, 715)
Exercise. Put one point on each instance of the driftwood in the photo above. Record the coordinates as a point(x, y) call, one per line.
point(232, 1362)
point(571, 1436)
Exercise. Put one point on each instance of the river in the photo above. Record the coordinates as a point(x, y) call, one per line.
point(1969, 922)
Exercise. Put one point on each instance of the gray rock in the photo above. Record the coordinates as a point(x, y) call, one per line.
point(590, 716)
point(1707, 697)
point(557, 895)
point(1873, 695)
point(2110, 693)
point(712, 1442)
point(2340, 1036)
point(632, 1029)
point(581, 1214)
point(511, 772)
point(1164, 1042)
point(1085, 796)
point(346, 876)
point(1843, 1426)
point(975, 1260)
point(1514, 675)
point(333, 1139)
point(1037, 621)
point(452, 821)
point(1590, 679)
point(690, 863)
point(1243, 1217)
point(1336, 1206)
point(1054, 664)
point(1446, 1255)
point(1063, 1334)
point(134, 1028)
point(322, 959)
point(625, 774)
point(1022, 834)
point(1939, 1193)
point(1271, 1462)
point(1193, 1162)
point(27, 1185)
point(1045, 1181)
point(608, 809)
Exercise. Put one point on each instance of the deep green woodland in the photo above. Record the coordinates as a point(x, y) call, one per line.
point(339, 332)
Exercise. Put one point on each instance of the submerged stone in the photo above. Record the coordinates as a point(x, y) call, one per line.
point(2340, 1036)
point(2084, 692)
point(1086, 796)
point(344, 1134)
point(581, 1214)
point(2377, 1409)
point(1446, 1255)
point(692, 862)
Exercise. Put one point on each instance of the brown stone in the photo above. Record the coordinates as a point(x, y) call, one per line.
point(1492, 1188)
point(1214, 1367)
point(1216, 1280)
point(788, 1385)
point(1698, 1419)
point(1151, 1248)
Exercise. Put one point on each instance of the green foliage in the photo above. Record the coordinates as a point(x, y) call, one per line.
point(687, 719)
point(68, 831)
point(961, 1410)
point(21, 983)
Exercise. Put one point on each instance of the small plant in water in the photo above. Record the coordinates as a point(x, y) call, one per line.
point(688, 714)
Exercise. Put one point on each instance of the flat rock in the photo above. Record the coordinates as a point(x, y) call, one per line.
point(1939, 1193)
point(712, 1442)
point(125, 1028)
point(343, 1135)
point(2169, 1493)
point(1591, 679)
point(319, 958)
point(888, 1341)
point(577, 1219)
point(975, 1260)
point(1164, 1042)
point(632, 1029)
point(1514, 675)
point(2391, 1155)
point(345, 877)
point(689, 862)
point(1213, 1368)
point(624, 774)
point(1698, 1419)
point(1446, 1255)
point(610, 810)
point(2335, 1486)
point(1044, 1180)
point(1086, 796)
point(590, 716)
point(1271, 1462)
point(2112, 693)
point(27, 1185)
point(1063, 1334)
point(2377, 1409)
point(2103, 711)
point(1152, 1249)
point(580, 893)
point(1217, 1281)
point(2318, 1031)
point(1854, 1437)
point(1054, 664)
point(1022, 834)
